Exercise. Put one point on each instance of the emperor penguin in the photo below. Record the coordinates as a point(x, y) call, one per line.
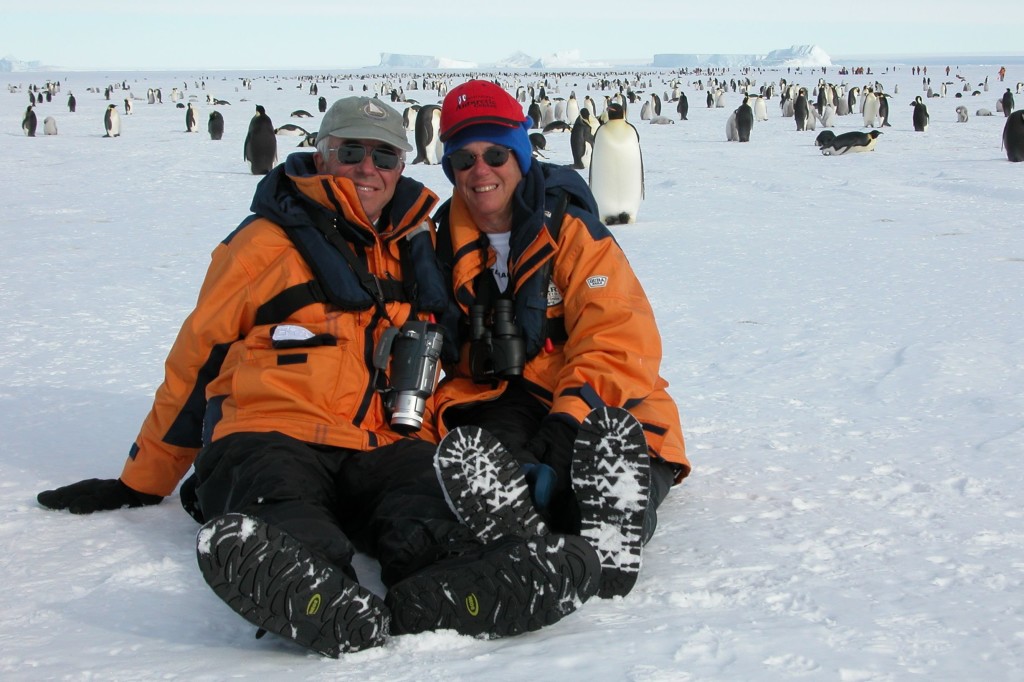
point(854, 141)
point(920, 117)
point(215, 126)
point(760, 107)
point(321, 104)
point(191, 126)
point(1007, 103)
point(581, 140)
point(732, 133)
point(801, 111)
point(409, 117)
point(572, 108)
point(260, 146)
point(29, 123)
point(547, 113)
point(851, 99)
point(645, 112)
point(589, 105)
point(72, 103)
point(744, 121)
point(128, 106)
point(112, 122)
point(1013, 136)
point(961, 114)
point(49, 126)
point(683, 107)
point(883, 109)
point(535, 114)
point(870, 109)
point(428, 135)
point(617, 169)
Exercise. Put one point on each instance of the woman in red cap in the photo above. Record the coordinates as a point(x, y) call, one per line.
point(555, 417)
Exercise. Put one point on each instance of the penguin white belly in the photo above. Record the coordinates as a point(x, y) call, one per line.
point(616, 173)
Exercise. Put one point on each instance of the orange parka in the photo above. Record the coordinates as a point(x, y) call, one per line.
point(229, 371)
point(610, 351)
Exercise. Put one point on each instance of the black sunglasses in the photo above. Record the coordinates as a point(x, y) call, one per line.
point(495, 157)
point(383, 157)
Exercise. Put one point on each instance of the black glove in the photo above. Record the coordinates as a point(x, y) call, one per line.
point(553, 445)
point(95, 494)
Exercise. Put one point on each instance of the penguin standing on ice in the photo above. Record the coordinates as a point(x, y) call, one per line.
point(112, 122)
point(260, 147)
point(321, 104)
point(191, 126)
point(49, 126)
point(683, 107)
point(744, 121)
point(215, 126)
point(870, 109)
point(883, 109)
point(801, 111)
point(920, 118)
point(29, 122)
point(428, 135)
point(1013, 136)
point(617, 169)
point(581, 140)
point(1007, 103)
point(72, 103)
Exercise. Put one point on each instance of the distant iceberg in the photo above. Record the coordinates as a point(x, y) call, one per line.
point(795, 56)
point(11, 65)
point(390, 60)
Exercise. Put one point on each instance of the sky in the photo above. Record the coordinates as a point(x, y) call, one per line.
point(259, 34)
point(844, 337)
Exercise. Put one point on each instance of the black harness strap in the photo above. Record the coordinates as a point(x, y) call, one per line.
point(281, 306)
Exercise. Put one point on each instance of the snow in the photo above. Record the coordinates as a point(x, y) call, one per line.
point(843, 336)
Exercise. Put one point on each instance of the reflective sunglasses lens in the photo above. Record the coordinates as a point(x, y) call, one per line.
point(385, 159)
point(462, 160)
point(351, 153)
point(495, 157)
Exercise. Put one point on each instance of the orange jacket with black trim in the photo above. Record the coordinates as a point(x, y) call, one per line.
point(229, 372)
point(611, 350)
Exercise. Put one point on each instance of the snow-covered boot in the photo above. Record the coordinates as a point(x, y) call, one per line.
point(485, 486)
point(509, 587)
point(611, 479)
point(271, 580)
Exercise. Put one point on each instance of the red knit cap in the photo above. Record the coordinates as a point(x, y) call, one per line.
point(478, 101)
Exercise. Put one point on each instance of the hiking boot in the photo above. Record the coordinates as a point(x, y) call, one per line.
point(611, 478)
point(272, 581)
point(485, 487)
point(511, 587)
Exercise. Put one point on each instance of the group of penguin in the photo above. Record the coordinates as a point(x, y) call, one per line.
point(609, 147)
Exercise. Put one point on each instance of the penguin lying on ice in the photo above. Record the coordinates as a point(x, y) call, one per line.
point(854, 141)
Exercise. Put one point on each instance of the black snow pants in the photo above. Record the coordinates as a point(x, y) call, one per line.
point(385, 502)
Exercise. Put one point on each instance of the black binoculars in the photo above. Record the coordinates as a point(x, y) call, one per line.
point(497, 349)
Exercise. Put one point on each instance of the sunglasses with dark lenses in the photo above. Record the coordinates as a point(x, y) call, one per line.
point(495, 157)
point(383, 157)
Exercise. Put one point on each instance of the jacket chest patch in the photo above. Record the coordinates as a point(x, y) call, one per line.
point(597, 281)
point(554, 295)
